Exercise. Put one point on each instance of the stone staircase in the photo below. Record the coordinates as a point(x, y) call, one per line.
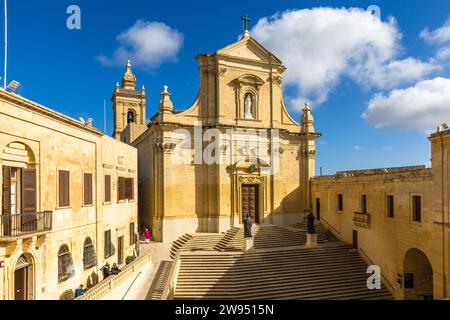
point(331, 272)
point(323, 235)
point(213, 266)
point(231, 241)
point(159, 281)
point(195, 242)
point(266, 236)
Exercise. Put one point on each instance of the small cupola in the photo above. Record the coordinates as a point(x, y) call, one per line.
point(129, 79)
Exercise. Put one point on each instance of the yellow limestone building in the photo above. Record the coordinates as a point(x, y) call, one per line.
point(68, 201)
point(235, 151)
point(397, 219)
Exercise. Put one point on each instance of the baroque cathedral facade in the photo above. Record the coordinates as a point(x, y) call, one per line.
point(234, 152)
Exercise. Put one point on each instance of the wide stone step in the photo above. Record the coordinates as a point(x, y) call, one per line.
point(280, 268)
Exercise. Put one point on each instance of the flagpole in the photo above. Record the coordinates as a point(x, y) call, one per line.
point(6, 45)
point(104, 116)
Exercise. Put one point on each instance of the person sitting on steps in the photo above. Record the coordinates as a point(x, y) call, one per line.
point(115, 269)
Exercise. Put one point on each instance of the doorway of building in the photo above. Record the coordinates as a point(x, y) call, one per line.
point(23, 279)
point(355, 240)
point(318, 209)
point(418, 276)
point(250, 202)
point(120, 250)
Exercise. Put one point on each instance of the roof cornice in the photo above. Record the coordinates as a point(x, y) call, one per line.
point(38, 108)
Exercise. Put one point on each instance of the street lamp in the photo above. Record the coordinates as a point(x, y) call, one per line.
point(13, 86)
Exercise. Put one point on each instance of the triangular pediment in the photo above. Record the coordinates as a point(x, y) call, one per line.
point(249, 49)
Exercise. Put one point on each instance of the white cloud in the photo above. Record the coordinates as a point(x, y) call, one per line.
point(319, 46)
point(443, 53)
point(423, 106)
point(440, 35)
point(357, 147)
point(147, 44)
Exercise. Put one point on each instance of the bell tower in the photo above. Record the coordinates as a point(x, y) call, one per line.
point(129, 107)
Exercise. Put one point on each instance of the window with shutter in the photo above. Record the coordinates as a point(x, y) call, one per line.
point(390, 206)
point(89, 258)
point(340, 202)
point(129, 189)
point(88, 189)
point(65, 264)
point(6, 199)
point(107, 188)
point(132, 234)
point(108, 250)
point(121, 189)
point(363, 203)
point(417, 208)
point(64, 180)
point(28, 190)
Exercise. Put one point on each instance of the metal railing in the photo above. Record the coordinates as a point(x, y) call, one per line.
point(17, 225)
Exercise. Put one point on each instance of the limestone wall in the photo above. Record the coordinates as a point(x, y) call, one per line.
point(61, 143)
point(384, 240)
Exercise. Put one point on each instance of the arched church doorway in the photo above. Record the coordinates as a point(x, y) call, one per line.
point(250, 202)
point(23, 279)
point(418, 276)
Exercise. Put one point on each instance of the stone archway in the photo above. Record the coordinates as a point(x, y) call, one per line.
point(417, 276)
point(24, 273)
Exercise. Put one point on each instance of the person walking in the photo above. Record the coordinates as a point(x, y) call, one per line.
point(147, 235)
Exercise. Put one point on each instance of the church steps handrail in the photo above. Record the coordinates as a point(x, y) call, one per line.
point(170, 286)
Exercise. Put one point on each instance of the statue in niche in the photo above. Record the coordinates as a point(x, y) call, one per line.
point(248, 107)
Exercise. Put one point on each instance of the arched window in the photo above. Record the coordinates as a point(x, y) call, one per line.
point(89, 257)
point(130, 117)
point(65, 264)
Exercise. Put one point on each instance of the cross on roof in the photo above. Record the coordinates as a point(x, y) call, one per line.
point(245, 20)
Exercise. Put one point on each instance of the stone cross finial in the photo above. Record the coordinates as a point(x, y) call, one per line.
point(165, 104)
point(245, 20)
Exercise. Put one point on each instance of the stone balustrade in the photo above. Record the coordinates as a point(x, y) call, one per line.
point(104, 287)
point(169, 289)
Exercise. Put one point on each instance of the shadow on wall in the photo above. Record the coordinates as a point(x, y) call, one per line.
point(92, 280)
point(288, 212)
point(418, 276)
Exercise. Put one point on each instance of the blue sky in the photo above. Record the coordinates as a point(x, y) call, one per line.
point(60, 68)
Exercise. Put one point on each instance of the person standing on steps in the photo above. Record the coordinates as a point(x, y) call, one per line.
point(147, 235)
point(106, 270)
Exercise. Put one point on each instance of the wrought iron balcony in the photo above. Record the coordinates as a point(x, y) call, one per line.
point(24, 224)
point(361, 219)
